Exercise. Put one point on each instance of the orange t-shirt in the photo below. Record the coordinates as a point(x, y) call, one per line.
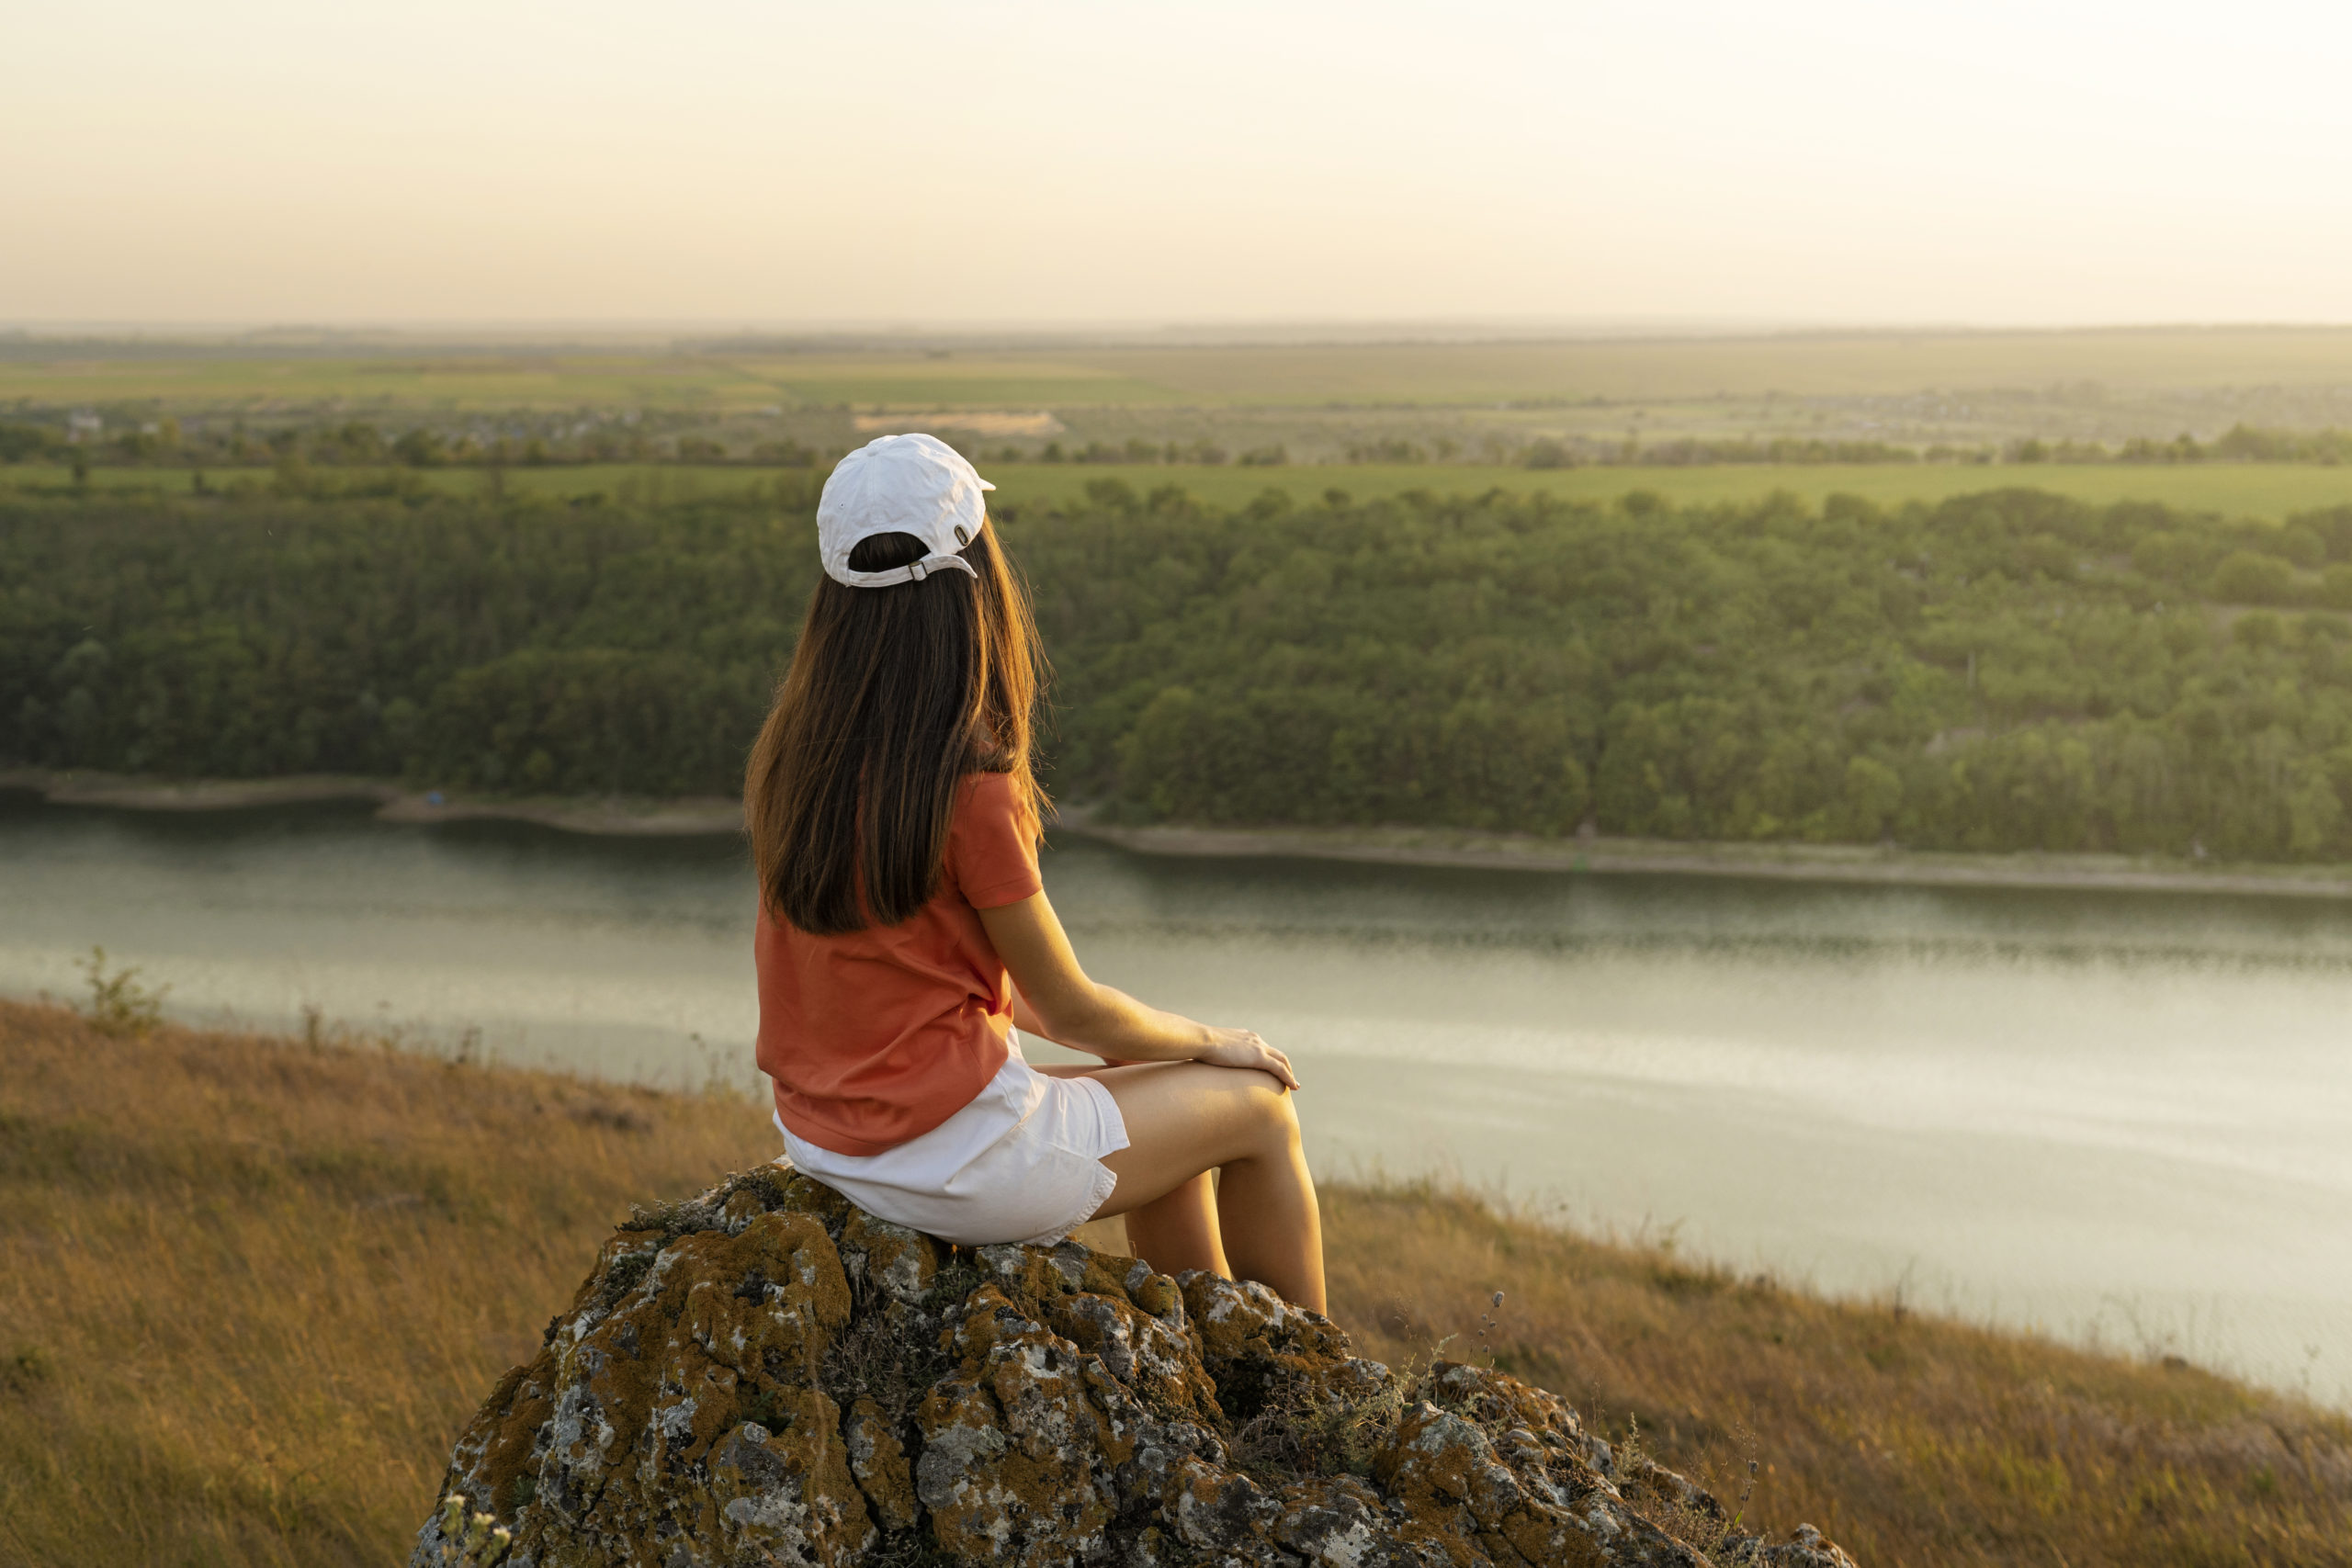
point(875, 1037)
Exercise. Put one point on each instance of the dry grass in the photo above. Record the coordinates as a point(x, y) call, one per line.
point(250, 1289)
point(1910, 1439)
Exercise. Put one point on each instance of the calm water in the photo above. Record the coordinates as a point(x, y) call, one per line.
point(2124, 1117)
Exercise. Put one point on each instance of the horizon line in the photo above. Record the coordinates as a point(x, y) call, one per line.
point(714, 334)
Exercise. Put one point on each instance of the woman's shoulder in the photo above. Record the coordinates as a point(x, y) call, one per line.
point(983, 794)
point(981, 790)
point(992, 844)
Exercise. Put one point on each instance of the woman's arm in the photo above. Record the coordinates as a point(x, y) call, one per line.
point(1064, 1006)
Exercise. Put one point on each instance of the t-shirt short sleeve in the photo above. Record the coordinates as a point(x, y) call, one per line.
point(992, 845)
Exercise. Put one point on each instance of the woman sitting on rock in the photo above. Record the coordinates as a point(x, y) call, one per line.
point(904, 931)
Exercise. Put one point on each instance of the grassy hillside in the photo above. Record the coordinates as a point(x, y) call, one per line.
point(250, 1288)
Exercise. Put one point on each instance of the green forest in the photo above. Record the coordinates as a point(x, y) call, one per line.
point(2005, 670)
point(290, 452)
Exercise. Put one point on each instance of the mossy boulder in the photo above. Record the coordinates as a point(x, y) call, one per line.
point(767, 1375)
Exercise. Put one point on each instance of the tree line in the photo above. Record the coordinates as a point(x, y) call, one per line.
point(512, 440)
point(541, 441)
point(2240, 442)
point(2007, 670)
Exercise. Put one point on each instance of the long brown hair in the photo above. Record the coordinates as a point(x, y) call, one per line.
point(893, 697)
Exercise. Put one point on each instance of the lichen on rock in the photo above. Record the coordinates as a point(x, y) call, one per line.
point(768, 1375)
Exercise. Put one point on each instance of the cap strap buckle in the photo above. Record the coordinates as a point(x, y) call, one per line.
point(924, 568)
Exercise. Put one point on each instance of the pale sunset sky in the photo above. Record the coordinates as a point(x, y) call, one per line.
point(249, 162)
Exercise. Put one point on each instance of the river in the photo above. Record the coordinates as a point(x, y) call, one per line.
point(2123, 1118)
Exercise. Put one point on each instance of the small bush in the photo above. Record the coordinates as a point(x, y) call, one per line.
point(118, 1004)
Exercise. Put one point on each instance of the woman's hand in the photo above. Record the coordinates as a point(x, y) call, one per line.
point(1242, 1048)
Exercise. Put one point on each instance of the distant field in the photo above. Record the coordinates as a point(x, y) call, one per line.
point(1844, 365)
point(1427, 375)
point(460, 383)
point(2271, 491)
point(1015, 382)
point(452, 382)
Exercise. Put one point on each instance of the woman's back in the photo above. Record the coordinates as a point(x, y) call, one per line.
point(876, 1036)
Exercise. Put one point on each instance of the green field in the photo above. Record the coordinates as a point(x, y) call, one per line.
point(2267, 490)
point(1428, 375)
point(459, 383)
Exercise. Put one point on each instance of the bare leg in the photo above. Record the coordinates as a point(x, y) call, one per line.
point(1172, 1233)
point(1180, 1231)
point(1186, 1117)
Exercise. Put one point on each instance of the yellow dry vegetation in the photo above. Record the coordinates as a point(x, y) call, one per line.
point(250, 1289)
point(1908, 1438)
point(1839, 363)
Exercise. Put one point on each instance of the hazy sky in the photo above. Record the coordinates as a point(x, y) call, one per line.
point(256, 161)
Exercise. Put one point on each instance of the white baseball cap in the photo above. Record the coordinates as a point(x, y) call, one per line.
point(902, 484)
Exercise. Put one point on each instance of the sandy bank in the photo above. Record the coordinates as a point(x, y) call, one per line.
point(649, 819)
point(1804, 862)
point(78, 787)
point(628, 818)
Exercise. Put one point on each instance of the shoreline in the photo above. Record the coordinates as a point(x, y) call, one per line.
point(1460, 848)
point(621, 817)
point(1467, 850)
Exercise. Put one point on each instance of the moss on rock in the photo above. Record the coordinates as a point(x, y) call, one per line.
point(766, 1374)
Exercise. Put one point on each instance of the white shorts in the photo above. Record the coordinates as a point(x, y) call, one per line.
point(1023, 1162)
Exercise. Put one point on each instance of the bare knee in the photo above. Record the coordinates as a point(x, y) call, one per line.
point(1272, 1112)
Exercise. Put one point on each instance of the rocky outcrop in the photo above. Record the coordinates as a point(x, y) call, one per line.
point(768, 1375)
